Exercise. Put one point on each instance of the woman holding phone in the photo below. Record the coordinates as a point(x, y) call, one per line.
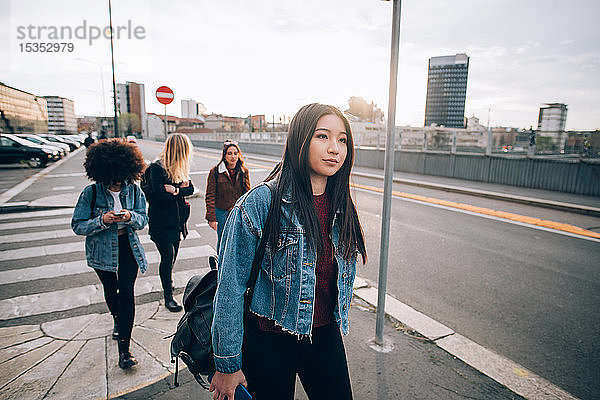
point(108, 213)
point(166, 184)
point(304, 285)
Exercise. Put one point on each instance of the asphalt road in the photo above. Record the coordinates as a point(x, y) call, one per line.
point(527, 294)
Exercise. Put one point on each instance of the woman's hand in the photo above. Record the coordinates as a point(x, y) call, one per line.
point(110, 217)
point(185, 184)
point(171, 189)
point(224, 384)
point(213, 224)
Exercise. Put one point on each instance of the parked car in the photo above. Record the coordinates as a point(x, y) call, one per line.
point(73, 144)
point(63, 148)
point(14, 149)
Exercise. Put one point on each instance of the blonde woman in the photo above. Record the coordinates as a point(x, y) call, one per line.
point(166, 184)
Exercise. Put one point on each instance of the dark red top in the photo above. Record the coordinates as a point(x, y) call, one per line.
point(326, 273)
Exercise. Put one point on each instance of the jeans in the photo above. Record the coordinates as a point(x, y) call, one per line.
point(221, 219)
point(118, 288)
point(168, 255)
point(272, 360)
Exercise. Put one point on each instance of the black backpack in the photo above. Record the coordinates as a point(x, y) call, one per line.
point(192, 342)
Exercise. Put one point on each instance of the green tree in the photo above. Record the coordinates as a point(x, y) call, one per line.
point(129, 124)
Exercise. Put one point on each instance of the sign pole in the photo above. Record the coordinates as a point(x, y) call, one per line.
point(166, 123)
point(165, 96)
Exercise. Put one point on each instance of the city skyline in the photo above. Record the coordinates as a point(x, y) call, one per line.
point(270, 58)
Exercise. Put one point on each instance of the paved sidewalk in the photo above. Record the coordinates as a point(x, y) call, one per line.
point(76, 358)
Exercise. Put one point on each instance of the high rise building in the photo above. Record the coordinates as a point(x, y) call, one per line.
point(21, 111)
point(551, 122)
point(131, 99)
point(61, 115)
point(447, 91)
point(192, 109)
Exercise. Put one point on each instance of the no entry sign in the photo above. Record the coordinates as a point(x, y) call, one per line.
point(164, 95)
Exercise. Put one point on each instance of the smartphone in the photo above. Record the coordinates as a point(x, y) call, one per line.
point(119, 213)
point(241, 393)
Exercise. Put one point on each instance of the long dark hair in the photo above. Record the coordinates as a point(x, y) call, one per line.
point(293, 172)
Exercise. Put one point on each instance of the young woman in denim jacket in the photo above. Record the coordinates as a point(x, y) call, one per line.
point(304, 286)
point(109, 220)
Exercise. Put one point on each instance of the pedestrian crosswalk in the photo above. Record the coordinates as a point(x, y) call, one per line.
point(40, 253)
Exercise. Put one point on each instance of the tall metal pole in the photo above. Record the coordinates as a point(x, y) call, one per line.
point(112, 57)
point(389, 171)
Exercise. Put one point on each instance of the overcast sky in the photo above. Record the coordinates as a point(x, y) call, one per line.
point(270, 57)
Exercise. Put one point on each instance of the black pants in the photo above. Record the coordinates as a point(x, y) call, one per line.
point(272, 360)
point(118, 288)
point(168, 255)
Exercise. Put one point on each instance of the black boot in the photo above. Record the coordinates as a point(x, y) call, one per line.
point(115, 332)
point(170, 302)
point(126, 360)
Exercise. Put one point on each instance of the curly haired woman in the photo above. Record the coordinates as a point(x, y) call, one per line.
point(108, 213)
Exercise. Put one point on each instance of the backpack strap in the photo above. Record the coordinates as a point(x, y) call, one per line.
point(93, 203)
point(260, 252)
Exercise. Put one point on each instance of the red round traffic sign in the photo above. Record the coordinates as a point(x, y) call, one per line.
point(164, 95)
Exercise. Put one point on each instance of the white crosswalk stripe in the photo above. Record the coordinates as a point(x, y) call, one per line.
point(63, 248)
point(34, 303)
point(36, 223)
point(34, 214)
point(67, 299)
point(80, 266)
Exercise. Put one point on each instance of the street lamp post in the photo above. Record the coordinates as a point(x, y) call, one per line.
point(389, 171)
point(112, 57)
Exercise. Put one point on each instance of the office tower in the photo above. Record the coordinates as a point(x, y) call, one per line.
point(192, 109)
point(551, 122)
point(21, 111)
point(131, 99)
point(447, 90)
point(61, 115)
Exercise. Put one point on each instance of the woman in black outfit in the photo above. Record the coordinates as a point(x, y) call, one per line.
point(167, 182)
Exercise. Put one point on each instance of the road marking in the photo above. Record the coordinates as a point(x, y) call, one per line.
point(80, 266)
point(550, 226)
point(41, 222)
point(27, 237)
point(67, 299)
point(63, 187)
point(504, 371)
point(63, 248)
point(33, 214)
point(66, 175)
point(9, 194)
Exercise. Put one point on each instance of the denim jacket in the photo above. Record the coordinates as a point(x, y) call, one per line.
point(101, 240)
point(285, 287)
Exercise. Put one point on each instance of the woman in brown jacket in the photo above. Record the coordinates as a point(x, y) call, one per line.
point(227, 181)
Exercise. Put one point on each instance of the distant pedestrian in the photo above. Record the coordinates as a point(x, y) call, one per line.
point(167, 183)
point(226, 182)
point(108, 213)
point(304, 286)
point(89, 140)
